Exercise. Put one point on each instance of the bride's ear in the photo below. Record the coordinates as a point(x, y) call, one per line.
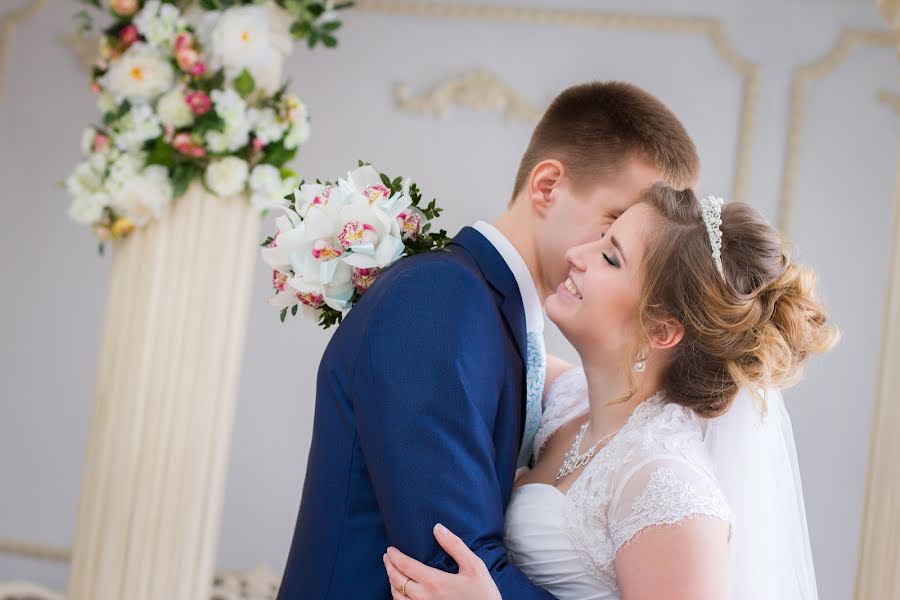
point(667, 332)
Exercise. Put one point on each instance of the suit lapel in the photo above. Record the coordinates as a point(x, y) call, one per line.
point(499, 276)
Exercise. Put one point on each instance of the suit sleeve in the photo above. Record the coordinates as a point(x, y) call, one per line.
point(425, 396)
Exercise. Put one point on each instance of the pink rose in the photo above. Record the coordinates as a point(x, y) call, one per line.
point(198, 152)
point(183, 142)
point(186, 58)
point(124, 8)
point(101, 143)
point(198, 69)
point(257, 144)
point(183, 40)
point(95, 87)
point(128, 35)
point(199, 102)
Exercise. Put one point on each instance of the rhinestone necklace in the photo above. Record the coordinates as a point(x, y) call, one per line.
point(575, 459)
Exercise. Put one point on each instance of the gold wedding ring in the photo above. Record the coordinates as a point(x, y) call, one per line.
point(402, 588)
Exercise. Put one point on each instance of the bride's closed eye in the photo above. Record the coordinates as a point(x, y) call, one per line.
point(612, 261)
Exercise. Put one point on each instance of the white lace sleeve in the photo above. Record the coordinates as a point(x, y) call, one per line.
point(663, 490)
point(566, 399)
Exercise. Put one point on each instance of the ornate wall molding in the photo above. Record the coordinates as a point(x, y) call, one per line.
point(8, 24)
point(477, 90)
point(803, 76)
point(712, 29)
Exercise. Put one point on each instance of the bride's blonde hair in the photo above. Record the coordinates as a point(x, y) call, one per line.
point(754, 327)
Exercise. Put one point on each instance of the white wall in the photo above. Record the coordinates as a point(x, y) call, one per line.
point(54, 284)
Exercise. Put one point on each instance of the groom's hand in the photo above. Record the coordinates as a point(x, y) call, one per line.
point(414, 580)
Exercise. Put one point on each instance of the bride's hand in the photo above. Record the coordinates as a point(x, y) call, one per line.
point(425, 583)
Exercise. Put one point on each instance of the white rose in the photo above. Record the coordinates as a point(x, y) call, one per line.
point(298, 134)
point(267, 188)
point(226, 176)
point(140, 75)
point(253, 37)
point(266, 124)
point(159, 23)
point(87, 209)
point(143, 197)
point(173, 110)
point(106, 103)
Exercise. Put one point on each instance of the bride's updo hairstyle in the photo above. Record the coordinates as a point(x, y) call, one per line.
point(754, 327)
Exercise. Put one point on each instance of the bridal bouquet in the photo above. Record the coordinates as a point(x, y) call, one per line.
point(336, 238)
point(192, 90)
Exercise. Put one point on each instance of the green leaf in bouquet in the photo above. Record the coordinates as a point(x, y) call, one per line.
point(117, 114)
point(267, 241)
point(384, 178)
point(161, 153)
point(331, 26)
point(182, 176)
point(277, 155)
point(294, 310)
point(283, 314)
point(244, 84)
point(210, 121)
point(329, 40)
point(343, 5)
point(300, 29)
point(313, 38)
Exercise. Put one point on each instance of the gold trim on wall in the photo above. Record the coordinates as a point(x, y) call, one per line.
point(7, 25)
point(714, 30)
point(803, 76)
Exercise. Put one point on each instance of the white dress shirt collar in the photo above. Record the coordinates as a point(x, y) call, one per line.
point(534, 311)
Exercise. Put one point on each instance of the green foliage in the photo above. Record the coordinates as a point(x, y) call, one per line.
point(244, 84)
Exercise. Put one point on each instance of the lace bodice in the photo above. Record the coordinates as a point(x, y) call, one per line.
point(654, 472)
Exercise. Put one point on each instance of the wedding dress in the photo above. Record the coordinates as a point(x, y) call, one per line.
point(661, 469)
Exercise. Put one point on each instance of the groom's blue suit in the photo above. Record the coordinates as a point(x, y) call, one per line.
point(419, 416)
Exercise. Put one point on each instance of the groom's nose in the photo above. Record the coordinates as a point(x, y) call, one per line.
point(577, 256)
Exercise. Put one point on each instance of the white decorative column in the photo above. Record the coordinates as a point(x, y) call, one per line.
point(167, 379)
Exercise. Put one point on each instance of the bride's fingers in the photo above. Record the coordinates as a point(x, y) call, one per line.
point(467, 560)
point(412, 568)
point(397, 579)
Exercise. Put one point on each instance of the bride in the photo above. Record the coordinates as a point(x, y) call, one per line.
point(664, 468)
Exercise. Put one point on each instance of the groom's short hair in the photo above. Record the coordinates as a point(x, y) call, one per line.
point(595, 128)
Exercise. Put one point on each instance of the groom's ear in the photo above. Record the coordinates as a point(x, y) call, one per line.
point(546, 176)
point(667, 332)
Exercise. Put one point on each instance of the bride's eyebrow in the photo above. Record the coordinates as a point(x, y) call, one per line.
point(615, 243)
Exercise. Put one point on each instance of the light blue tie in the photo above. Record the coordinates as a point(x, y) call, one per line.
point(535, 371)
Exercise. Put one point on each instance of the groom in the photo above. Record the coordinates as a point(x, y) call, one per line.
point(429, 394)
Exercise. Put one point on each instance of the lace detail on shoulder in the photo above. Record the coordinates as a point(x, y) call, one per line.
point(669, 497)
point(654, 472)
point(565, 400)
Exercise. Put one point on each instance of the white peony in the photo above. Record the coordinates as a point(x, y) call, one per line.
point(266, 124)
point(226, 176)
point(159, 23)
point(267, 188)
point(139, 125)
point(252, 37)
point(143, 197)
point(87, 209)
point(140, 75)
point(173, 110)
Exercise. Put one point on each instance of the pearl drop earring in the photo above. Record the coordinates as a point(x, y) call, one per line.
point(640, 365)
